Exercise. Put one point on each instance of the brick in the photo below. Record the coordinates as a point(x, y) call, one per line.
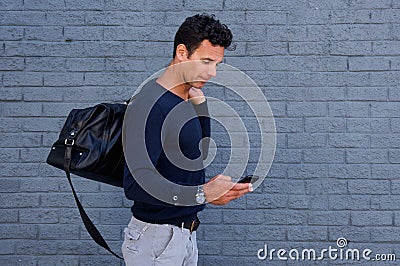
point(209, 247)
point(243, 217)
point(11, 5)
point(288, 156)
point(385, 141)
point(19, 170)
point(9, 216)
point(308, 109)
point(287, 186)
point(371, 218)
point(30, 155)
point(312, 233)
point(44, 33)
point(83, 33)
point(58, 200)
point(85, 64)
point(348, 140)
point(67, 49)
point(325, 186)
point(305, 171)
point(385, 78)
point(105, 200)
point(125, 64)
point(265, 233)
point(394, 156)
point(266, 201)
point(385, 202)
point(349, 202)
point(322, 125)
point(7, 247)
point(349, 171)
point(114, 216)
point(372, 187)
point(66, 18)
point(41, 94)
point(43, 124)
point(366, 156)
point(9, 155)
point(56, 231)
point(289, 125)
point(10, 94)
point(349, 109)
point(324, 156)
point(22, 109)
point(386, 109)
point(368, 125)
point(39, 184)
point(325, 94)
point(18, 231)
point(23, 79)
point(329, 218)
point(395, 125)
point(194, 5)
point(247, 33)
point(360, 47)
point(97, 260)
point(153, 5)
point(210, 216)
point(385, 47)
point(308, 17)
point(43, 5)
point(385, 234)
point(40, 216)
point(92, 5)
point(350, 16)
point(13, 140)
point(63, 79)
point(352, 233)
point(76, 247)
point(9, 185)
point(308, 48)
point(266, 17)
point(388, 171)
point(34, 247)
point(368, 64)
point(11, 33)
point(306, 141)
point(45, 64)
point(266, 48)
point(11, 64)
point(394, 63)
point(228, 232)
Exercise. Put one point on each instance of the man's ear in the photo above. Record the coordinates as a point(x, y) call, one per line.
point(182, 52)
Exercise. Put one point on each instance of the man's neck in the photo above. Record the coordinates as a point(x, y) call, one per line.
point(173, 81)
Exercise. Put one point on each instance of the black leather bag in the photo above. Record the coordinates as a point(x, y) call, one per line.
point(90, 145)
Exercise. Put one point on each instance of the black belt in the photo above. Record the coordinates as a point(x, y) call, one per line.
point(191, 225)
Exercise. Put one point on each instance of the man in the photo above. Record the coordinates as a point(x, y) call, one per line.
point(165, 142)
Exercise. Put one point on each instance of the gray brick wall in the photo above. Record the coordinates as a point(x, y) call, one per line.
point(330, 70)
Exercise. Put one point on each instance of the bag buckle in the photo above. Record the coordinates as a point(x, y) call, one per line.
point(69, 141)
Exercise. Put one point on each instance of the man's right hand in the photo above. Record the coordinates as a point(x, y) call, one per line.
point(220, 190)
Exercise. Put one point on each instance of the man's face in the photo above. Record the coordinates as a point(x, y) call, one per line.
point(202, 64)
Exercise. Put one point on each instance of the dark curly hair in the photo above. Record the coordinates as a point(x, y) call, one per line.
point(201, 27)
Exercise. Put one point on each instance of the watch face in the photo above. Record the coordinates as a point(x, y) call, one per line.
point(200, 198)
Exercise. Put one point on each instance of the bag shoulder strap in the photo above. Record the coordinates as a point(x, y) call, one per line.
point(90, 227)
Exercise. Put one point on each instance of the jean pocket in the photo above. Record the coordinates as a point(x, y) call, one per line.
point(164, 247)
point(132, 236)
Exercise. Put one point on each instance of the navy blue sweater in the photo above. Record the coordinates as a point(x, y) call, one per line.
point(165, 146)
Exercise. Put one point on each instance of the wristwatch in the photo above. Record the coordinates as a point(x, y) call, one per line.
point(200, 196)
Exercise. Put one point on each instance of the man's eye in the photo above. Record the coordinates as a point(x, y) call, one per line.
point(206, 61)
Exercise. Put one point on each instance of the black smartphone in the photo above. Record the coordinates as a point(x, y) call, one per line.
point(248, 179)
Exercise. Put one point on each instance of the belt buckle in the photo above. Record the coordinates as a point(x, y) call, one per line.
point(192, 224)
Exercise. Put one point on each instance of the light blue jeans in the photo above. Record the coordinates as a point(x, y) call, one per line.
point(147, 244)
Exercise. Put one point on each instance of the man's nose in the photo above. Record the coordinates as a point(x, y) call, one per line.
point(212, 71)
